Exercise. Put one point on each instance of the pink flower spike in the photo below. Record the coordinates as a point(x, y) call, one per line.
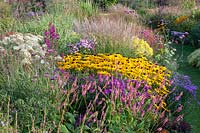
point(179, 96)
point(165, 121)
point(179, 118)
point(179, 108)
point(159, 129)
point(50, 50)
point(52, 28)
point(46, 33)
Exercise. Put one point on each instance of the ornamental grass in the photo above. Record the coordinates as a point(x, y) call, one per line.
point(133, 68)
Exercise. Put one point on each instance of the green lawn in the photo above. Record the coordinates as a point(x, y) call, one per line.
point(193, 112)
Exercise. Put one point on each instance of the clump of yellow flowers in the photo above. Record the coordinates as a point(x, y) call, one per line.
point(141, 47)
point(180, 19)
point(133, 68)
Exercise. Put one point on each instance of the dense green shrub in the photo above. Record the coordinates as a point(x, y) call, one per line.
point(194, 58)
point(183, 26)
point(195, 35)
point(104, 3)
point(196, 14)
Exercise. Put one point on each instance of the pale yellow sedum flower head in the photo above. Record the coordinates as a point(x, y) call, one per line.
point(141, 48)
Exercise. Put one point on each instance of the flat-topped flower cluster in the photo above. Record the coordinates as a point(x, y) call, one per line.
point(142, 48)
point(30, 47)
point(26, 44)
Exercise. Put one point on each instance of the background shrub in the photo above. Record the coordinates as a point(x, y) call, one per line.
point(104, 4)
point(194, 58)
point(6, 19)
point(195, 35)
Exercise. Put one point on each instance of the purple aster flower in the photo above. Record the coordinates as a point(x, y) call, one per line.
point(31, 14)
point(180, 35)
point(184, 82)
point(82, 45)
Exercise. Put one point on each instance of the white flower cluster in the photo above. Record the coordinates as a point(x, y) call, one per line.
point(27, 45)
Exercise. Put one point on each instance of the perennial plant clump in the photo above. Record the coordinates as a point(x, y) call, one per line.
point(184, 82)
point(154, 40)
point(95, 98)
point(51, 36)
point(184, 85)
point(107, 82)
point(180, 19)
point(142, 48)
point(26, 44)
point(194, 58)
point(84, 45)
point(139, 68)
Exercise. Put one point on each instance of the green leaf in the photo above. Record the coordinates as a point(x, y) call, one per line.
point(141, 125)
point(86, 128)
point(70, 117)
point(70, 126)
point(64, 129)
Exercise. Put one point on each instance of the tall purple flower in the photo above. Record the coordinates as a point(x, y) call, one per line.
point(51, 36)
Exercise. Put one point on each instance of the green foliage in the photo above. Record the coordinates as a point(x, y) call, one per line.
point(87, 8)
point(6, 24)
point(195, 14)
point(6, 19)
point(195, 35)
point(166, 57)
point(104, 3)
point(194, 58)
point(5, 9)
point(138, 4)
point(57, 15)
point(63, 25)
point(188, 4)
point(46, 105)
point(184, 26)
point(30, 97)
point(108, 45)
point(127, 122)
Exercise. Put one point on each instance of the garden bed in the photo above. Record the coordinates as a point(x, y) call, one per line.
point(91, 66)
